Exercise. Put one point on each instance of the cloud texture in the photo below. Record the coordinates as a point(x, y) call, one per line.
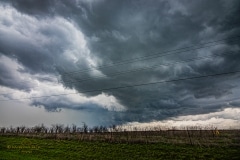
point(46, 47)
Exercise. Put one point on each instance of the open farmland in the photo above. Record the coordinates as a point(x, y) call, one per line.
point(168, 144)
point(13, 147)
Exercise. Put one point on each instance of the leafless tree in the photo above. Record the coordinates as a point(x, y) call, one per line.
point(67, 129)
point(3, 130)
point(85, 127)
point(74, 128)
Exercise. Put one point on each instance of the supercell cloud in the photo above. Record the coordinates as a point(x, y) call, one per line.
point(59, 50)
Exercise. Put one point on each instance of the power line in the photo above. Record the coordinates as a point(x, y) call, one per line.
point(160, 54)
point(128, 61)
point(140, 59)
point(130, 71)
point(146, 68)
point(136, 85)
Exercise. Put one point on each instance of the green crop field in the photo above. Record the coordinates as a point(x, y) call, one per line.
point(22, 148)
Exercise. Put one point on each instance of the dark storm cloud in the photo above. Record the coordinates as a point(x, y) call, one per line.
point(21, 49)
point(122, 30)
point(56, 106)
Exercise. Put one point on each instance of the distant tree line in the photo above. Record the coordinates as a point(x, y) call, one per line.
point(55, 128)
point(194, 135)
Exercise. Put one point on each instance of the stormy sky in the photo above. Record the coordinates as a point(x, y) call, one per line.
point(74, 61)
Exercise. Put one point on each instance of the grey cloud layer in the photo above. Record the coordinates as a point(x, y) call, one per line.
point(121, 30)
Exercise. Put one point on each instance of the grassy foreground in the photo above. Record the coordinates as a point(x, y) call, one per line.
point(14, 148)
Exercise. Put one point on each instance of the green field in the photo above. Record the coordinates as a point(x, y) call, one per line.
point(15, 147)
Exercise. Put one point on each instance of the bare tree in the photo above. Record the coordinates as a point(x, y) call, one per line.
point(74, 128)
point(3, 129)
point(60, 128)
point(67, 129)
point(85, 127)
point(22, 129)
point(96, 129)
point(37, 129)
